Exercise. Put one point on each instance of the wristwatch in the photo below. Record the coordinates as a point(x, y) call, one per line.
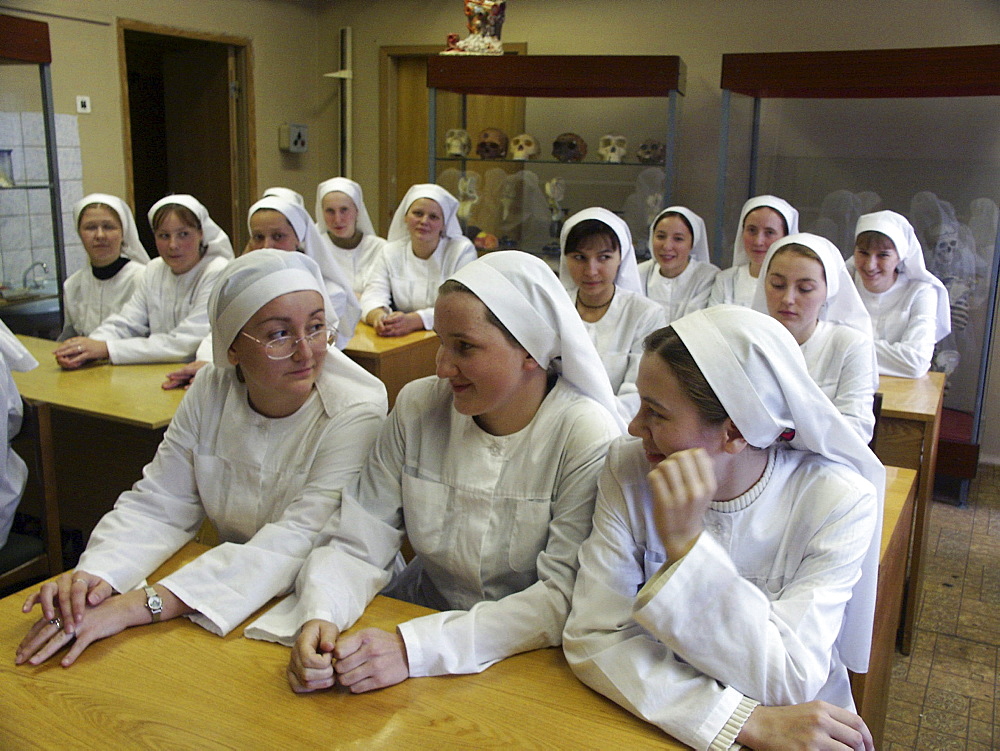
point(154, 603)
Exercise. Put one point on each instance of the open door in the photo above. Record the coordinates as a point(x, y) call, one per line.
point(188, 128)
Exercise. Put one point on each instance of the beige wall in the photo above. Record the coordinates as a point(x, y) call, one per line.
point(288, 87)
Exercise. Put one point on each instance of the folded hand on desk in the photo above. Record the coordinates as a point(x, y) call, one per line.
point(370, 659)
point(79, 350)
point(183, 376)
point(814, 724)
point(68, 596)
point(310, 666)
point(398, 324)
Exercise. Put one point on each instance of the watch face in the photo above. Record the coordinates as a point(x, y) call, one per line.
point(155, 603)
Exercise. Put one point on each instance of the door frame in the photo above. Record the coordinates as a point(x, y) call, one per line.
point(243, 161)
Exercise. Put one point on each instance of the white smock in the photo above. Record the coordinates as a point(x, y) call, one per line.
point(268, 485)
point(166, 318)
point(87, 300)
point(914, 313)
point(399, 280)
point(13, 470)
point(840, 353)
point(630, 317)
point(773, 603)
point(495, 521)
point(354, 262)
point(735, 286)
point(689, 290)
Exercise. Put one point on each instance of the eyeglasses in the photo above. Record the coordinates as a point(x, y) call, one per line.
point(284, 346)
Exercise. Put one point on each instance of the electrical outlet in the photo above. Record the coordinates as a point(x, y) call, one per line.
point(83, 105)
point(293, 138)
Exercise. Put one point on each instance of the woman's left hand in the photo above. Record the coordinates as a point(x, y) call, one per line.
point(683, 486)
point(399, 324)
point(370, 659)
point(111, 616)
point(79, 350)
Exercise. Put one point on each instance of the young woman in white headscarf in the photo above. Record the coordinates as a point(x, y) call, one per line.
point(732, 567)
point(279, 223)
point(117, 260)
point(598, 268)
point(263, 444)
point(763, 219)
point(425, 246)
point(165, 319)
point(679, 276)
point(13, 470)
point(346, 229)
point(805, 285)
point(493, 465)
point(908, 305)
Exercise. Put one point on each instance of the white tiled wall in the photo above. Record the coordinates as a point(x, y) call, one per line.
point(25, 214)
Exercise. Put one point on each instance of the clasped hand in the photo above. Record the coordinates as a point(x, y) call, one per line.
point(363, 661)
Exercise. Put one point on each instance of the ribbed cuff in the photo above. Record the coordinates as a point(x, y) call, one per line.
point(726, 739)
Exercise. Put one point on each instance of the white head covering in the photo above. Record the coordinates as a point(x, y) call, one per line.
point(339, 290)
point(525, 295)
point(628, 270)
point(911, 259)
point(353, 191)
point(757, 371)
point(287, 193)
point(15, 355)
point(843, 303)
point(783, 207)
point(447, 202)
point(132, 247)
point(212, 234)
point(249, 283)
point(699, 243)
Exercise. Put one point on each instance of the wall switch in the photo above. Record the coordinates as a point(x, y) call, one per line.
point(83, 105)
point(293, 138)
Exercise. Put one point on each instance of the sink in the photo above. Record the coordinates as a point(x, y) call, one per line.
point(31, 310)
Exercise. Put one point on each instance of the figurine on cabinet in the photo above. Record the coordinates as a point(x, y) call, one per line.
point(555, 192)
point(612, 148)
point(569, 147)
point(651, 152)
point(492, 144)
point(457, 142)
point(524, 147)
point(484, 20)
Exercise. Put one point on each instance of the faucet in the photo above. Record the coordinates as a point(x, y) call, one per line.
point(30, 272)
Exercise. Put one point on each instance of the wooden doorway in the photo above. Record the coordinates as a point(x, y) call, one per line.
point(188, 122)
point(403, 120)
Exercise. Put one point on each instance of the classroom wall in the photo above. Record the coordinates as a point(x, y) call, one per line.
point(287, 83)
point(699, 32)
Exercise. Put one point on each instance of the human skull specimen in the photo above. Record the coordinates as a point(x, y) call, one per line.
point(569, 147)
point(651, 152)
point(492, 144)
point(524, 146)
point(612, 148)
point(457, 142)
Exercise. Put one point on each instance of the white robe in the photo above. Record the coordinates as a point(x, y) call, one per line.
point(401, 281)
point(686, 292)
point(495, 522)
point(618, 338)
point(841, 360)
point(167, 317)
point(13, 470)
point(904, 319)
point(87, 300)
point(733, 286)
point(753, 610)
point(269, 485)
point(357, 262)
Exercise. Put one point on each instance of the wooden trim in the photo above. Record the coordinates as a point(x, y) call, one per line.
point(559, 75)
point(24, 41)
point(919, 72)
point(172, 31)
point(126, 117)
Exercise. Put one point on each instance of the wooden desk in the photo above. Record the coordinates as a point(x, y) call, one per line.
point(871, 689)
point(177, 686)
point(908, 437)
point(107, 421)
point(395, 360)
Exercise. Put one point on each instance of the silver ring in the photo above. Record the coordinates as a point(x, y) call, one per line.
point(79, 348)
point(79, 580)
point(57, 622)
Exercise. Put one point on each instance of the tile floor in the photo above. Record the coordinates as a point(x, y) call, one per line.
point(946, 694)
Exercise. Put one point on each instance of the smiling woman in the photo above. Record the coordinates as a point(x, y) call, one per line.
point(165, 318)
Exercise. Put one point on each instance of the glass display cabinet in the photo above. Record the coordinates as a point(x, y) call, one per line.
point(30, 199)
point(605, 101)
